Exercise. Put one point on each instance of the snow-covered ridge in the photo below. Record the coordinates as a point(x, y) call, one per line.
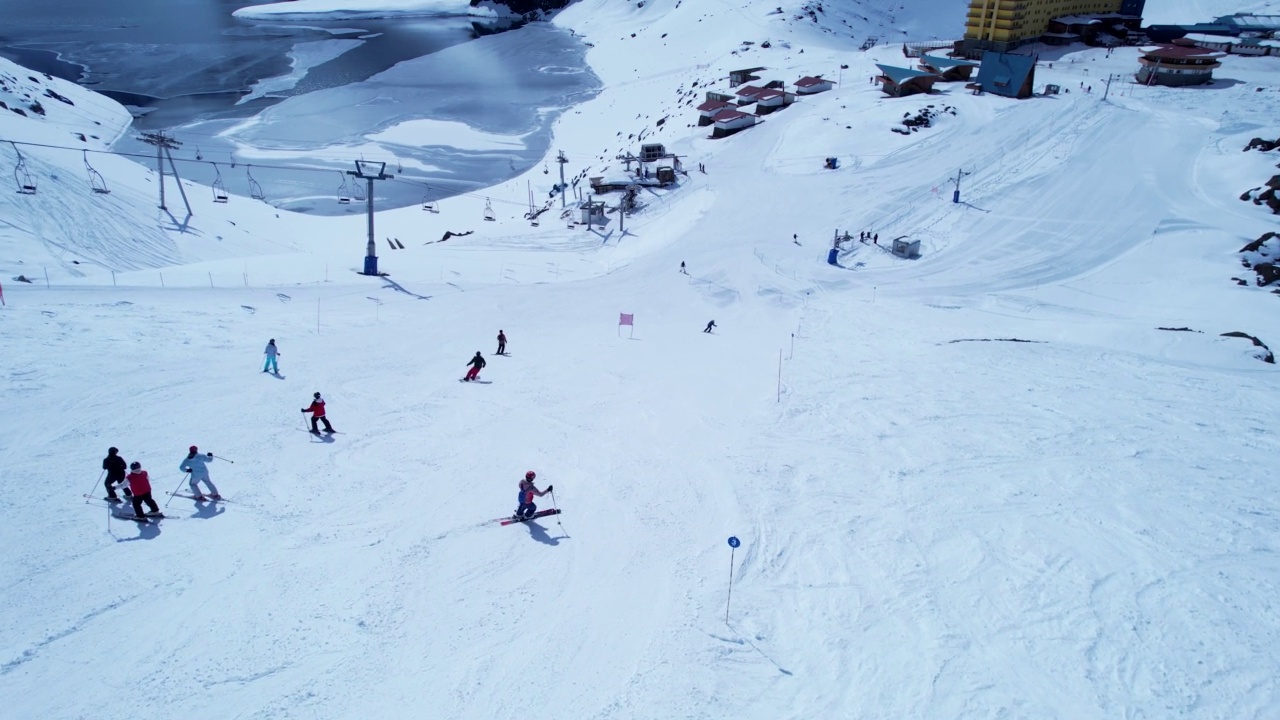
point(36, 107)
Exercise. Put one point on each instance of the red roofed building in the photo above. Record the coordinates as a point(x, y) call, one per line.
point(770, 99)
point(729, 122)
point(747, 94)
point(809, 85)
point(707, 110)
point(1177, 65)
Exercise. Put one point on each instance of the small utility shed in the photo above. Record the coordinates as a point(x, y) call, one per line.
point(949, 69)
point(1007, 74)
point(901, 82)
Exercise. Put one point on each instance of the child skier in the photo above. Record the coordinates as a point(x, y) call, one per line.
point(115, 467)
point(140, 491)
point(271, 352)
point(197, 465)
point(317, 415)
point(528, 491)
point(476, 364)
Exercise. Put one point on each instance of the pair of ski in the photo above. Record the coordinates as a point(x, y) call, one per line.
point(512, 519)
point(201, 498)
point(144, 520)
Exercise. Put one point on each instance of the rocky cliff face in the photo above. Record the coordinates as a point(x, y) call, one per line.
point(525, 7)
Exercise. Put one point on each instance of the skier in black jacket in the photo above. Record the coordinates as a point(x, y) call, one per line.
point(476, 364)
point(115, 467)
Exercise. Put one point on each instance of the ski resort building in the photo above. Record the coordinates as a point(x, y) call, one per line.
point(728, 122)
point(1004, 25)
point(1007, 74)
point(949, 69)
point(810, 84)
point(1177, 65)
point(901, 82)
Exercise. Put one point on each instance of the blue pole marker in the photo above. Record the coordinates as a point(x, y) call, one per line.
point(733, 545)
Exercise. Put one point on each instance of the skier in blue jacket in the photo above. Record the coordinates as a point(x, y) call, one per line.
point(197, 465)
point(528, 491)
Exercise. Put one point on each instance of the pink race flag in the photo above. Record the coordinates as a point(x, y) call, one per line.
point(625, 319)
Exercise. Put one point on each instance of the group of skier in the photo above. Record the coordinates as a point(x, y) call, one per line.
point(135, 484)
point(477, 361)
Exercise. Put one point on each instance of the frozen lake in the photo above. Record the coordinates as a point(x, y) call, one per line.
point(449, 103)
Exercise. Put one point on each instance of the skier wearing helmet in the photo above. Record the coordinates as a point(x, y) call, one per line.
point(317, 415)
point(476, 364)
point(528, 491)
point(140, 490)
point(197, 465)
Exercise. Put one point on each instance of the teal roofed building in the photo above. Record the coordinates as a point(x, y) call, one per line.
point(901, 82)
point(1007, 74)
point(949, 69)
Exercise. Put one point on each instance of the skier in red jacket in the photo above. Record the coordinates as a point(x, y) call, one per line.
point(140, 490)
point(317, 415)
point(528, 491)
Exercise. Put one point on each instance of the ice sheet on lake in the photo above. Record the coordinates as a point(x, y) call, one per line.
point(303, 57)
point(344, 9)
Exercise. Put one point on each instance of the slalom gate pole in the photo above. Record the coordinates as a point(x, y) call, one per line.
point(174, 494)
point(233, 462)
point(94, 489)
point(733, 547)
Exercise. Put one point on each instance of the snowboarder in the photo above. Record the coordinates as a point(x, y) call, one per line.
point(197, 465)
point(115, 467)
point(528, 491)
point(271, 352)
point(502, 343)
point(140, 490)
point(476, 364)
point(317, 415)
point(686, 272)
point(709, 326)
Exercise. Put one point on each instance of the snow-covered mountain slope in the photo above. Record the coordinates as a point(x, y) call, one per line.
point(1023, 475)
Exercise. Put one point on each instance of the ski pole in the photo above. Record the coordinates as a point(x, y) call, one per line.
point(174, 494)
point(89, 497)
point(233, 462)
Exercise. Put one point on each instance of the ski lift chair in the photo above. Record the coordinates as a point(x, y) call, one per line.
point(96, 181)
point(26, 185)
point(344, 193)
point(488, 211)
point(255, 190)
point(219, 189)
point(357, 192)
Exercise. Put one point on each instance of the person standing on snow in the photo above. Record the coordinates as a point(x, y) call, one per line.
point(528, 491)
point(710, 325)
point(502, 343)
point(115, 467)
point(317, 415)
point(140, 490)
point(476, 364)
point(197, 465)
point(272, 352)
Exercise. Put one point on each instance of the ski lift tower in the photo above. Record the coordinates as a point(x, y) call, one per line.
point(369, 171)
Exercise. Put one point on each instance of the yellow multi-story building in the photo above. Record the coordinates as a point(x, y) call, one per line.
point(1006, 24)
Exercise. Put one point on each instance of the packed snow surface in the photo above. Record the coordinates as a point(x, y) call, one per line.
point(991, 481)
